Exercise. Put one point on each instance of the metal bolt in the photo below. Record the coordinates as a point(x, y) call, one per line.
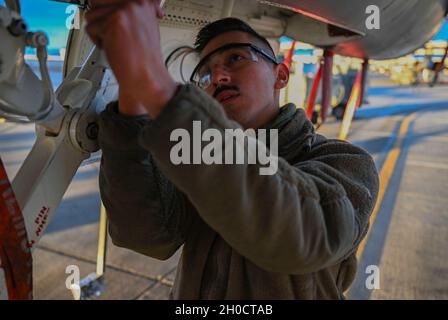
point(41, 39)
point(92, 131)
point(17, 27)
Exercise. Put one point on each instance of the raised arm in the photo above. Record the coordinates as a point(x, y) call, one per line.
point(146, 212)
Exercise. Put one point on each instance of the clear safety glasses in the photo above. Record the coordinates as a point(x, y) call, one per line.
point(231, 57)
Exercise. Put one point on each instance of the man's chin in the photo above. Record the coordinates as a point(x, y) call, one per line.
point(238, 117)
point(230, 109)
point(236, 113)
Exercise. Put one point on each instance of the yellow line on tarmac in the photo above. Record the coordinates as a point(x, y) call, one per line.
point(350, 109)
point(386, 174)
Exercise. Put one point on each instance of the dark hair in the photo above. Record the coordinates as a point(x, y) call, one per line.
point(214, 29)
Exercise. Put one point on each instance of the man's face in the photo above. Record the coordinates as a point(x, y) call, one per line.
point(248, 94)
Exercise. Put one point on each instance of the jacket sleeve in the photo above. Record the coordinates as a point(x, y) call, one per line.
point(146, 212)
point(303, 218)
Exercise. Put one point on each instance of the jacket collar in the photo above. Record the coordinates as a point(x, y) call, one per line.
point(296, 133)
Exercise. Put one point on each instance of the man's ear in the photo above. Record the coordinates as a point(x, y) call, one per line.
point(282, 76)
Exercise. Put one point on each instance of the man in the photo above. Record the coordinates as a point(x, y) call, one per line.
point(290, 235)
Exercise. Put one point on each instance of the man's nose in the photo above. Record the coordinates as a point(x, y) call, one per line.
point(220, 75)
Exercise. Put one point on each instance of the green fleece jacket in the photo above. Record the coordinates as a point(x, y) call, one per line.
point(291, 235)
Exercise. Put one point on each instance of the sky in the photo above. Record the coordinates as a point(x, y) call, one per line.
point(443, 33)
point(51, 17)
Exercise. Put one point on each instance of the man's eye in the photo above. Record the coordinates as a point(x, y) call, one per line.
point(235, 58)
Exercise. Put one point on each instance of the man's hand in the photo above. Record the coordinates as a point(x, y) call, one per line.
point(128, 32)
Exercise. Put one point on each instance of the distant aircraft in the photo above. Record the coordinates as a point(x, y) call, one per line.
point(66, 118)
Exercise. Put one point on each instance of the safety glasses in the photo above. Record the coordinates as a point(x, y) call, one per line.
point(231, 57)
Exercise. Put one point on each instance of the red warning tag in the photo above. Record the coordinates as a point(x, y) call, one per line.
point(15, 252)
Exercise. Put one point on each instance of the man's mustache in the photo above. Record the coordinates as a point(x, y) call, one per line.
point(224, 88)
